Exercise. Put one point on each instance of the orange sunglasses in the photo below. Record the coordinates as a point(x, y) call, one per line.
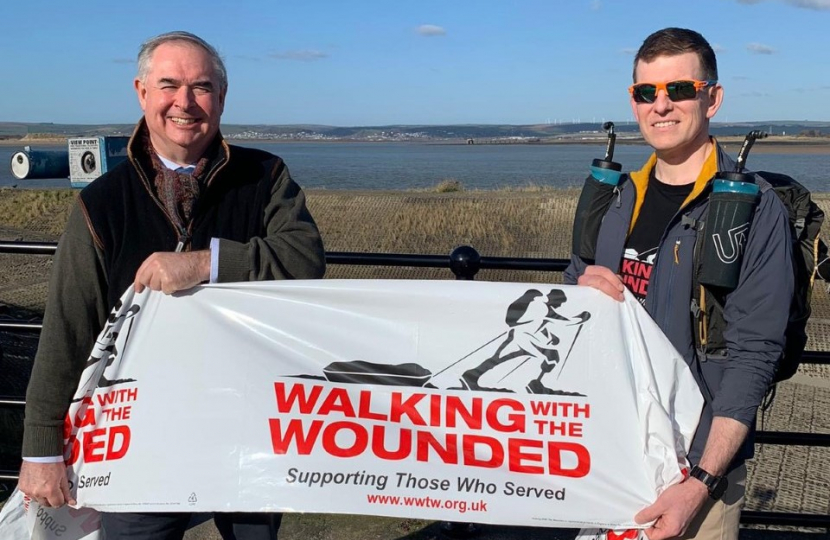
point(676, 90)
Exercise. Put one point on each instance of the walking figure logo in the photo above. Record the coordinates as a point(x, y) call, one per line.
point(105, 350)
point(532, 320)
point(536, 326)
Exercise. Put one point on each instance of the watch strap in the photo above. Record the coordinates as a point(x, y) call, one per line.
point(716, 485)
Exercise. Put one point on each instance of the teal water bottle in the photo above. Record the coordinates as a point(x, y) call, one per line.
point(596, 197)
point(731, 206)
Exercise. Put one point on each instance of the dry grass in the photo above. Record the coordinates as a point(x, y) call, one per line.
point(525, 222)
point(497, 223)
point(40, 211)
point(450, 185)
point(529, 221)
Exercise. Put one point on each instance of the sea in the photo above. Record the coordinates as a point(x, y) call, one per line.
point(409, 165)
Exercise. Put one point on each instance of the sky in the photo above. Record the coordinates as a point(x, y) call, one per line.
point(382, 62)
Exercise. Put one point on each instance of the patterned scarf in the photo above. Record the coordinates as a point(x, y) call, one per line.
point(177, 191)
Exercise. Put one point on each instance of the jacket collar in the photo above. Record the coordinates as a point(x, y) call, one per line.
point(137, 155)
point(718, 160)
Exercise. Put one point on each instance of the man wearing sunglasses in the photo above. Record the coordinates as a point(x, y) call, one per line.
point(647, 243)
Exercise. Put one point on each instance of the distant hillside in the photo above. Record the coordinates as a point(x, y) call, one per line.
point(16, 130)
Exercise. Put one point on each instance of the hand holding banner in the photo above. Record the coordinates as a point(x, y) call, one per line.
point(392, 398)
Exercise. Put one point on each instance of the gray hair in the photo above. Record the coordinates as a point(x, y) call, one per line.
point(149, 46)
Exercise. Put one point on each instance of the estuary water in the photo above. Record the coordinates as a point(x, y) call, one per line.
point(382, 166)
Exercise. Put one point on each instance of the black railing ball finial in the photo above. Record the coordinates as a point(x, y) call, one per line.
point(465, 262)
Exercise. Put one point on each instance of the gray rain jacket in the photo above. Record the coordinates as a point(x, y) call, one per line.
point(756, 312)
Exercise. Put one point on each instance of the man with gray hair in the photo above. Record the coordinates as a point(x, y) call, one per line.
point(185, 208)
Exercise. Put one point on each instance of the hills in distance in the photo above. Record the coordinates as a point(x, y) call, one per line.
point(506, 132)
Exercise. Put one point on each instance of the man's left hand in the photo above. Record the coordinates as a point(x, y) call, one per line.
point(172, 272)
point(674, 509)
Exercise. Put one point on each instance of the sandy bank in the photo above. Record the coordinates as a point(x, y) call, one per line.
point(774, 145)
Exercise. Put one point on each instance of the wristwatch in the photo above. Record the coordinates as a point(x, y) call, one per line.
point(715, 484)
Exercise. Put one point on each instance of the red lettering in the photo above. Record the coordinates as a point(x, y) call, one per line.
point(74, 449)
point(636, 285)
point(447, 454)
point(404, 445)
point(337, 401)
point(116, 433)
point(106, 399)
point(294, 431)
point(365, 405)
point(583, 459)
point(86, 414)
point(627, 267)
point(336, 449)
point(456, 407)
point(541, 408)
point(406, 407)
point(516, 456)
point(97, 445)
point(435, 410)
point(470, 442)
point(91, 446)
point(516, 421)
point(296, 397)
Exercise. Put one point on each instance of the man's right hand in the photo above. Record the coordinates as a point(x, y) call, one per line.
point(603, 279)
point(45, 483)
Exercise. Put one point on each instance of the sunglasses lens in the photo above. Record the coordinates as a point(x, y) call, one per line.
point(681, 90)
point(645, 93)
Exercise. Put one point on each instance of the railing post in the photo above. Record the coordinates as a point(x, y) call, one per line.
point(465, 262)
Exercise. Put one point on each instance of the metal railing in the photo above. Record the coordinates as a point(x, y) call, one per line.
point(465, 262)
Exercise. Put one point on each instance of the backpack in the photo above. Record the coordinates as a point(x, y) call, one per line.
point(805, 219)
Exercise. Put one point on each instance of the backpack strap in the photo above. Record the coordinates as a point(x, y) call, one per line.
point(700, 320)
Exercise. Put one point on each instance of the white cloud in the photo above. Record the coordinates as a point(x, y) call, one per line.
point(596, 5)
point(629, 51)
point(818, 5)
point(718, 48)
point(758, 48)
point(431, 30)
point(305, 55)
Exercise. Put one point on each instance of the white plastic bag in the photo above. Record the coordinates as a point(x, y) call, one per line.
point(24, 519)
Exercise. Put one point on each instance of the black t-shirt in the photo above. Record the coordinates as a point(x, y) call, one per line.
point(661, 203)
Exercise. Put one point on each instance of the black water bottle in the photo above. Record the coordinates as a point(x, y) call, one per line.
point(596, 197)
point(731, 206)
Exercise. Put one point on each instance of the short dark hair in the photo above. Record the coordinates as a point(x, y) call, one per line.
point(675, 41)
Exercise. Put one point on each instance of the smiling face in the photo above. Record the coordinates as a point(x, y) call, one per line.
point(675, 130)
point(182, 99)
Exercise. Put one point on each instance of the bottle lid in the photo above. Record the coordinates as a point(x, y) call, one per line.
point(604, 164)
point(732, 186)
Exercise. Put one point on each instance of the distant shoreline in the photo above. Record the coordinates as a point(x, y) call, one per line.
point(773, 145)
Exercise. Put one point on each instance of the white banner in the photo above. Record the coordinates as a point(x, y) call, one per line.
point(468, 401)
